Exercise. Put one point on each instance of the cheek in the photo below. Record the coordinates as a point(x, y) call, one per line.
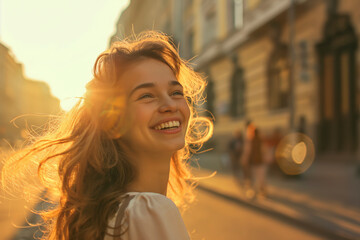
point(141, 116)
point(137, 119)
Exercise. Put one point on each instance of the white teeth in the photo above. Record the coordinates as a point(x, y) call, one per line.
point(168, 125)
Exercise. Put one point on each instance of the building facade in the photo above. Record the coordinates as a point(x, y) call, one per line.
point(140, 15)
point(20, 96)
point(288, 65)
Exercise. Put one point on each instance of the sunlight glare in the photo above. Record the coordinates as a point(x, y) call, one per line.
point(56, 49)
point(67, 103)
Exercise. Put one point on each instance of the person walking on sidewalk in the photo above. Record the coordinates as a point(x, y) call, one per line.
point(245, 157)
point(235, 149)
point(271, 143)
point(118, 159)
point(258, 165)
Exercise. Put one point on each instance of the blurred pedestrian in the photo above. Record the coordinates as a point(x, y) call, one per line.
point(118, 155)
point(235, 149)
point(258, 165)
point(245, 156)
point(271, 143)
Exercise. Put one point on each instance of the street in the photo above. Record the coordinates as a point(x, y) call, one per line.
point(214, 218)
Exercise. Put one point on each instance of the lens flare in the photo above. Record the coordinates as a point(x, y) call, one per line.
point(113, 120)
point(298, 153)
point(295, 153)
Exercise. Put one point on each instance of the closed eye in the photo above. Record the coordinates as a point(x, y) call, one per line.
point(146, 95)
point(177, 93)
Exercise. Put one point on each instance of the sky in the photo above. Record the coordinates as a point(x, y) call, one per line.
point(58, 41)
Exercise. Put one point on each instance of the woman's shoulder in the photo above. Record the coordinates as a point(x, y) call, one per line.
point(141, 204)
point(149, 202)
point(146, 215)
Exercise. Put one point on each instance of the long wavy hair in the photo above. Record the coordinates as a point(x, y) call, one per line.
point(79, 160)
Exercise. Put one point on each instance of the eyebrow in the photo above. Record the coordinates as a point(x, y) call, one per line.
point(152, 85)
point(175, 83)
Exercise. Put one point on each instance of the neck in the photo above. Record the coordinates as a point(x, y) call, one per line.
point(152, 173)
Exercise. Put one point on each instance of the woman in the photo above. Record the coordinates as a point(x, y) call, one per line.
point(119, 156)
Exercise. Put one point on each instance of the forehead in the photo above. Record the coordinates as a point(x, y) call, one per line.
point(147, 71)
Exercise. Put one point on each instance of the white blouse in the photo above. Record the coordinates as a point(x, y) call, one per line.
point(147, 216)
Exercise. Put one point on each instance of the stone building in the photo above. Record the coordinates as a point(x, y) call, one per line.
point(20, 96)
point(11, 79)
point(161, 15)
point(253, 72)
point(289, 65)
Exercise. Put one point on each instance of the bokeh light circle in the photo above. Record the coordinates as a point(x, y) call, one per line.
point(295, 153)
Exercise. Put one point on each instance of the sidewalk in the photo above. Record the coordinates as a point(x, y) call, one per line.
point(325, 199)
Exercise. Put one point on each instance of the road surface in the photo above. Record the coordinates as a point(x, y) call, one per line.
point(215, 218)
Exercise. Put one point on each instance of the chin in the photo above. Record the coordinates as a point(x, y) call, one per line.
point(175, 147)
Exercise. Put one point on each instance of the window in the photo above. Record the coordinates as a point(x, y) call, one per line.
point(279, 81)
point(190, 44)
point(210, 96)
point(238, 9)
point(209, 21)
point(235, 14)
point(237, 106)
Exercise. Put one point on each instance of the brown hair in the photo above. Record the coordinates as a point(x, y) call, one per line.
point(80, 160)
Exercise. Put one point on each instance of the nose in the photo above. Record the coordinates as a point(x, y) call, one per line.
point(168, 105)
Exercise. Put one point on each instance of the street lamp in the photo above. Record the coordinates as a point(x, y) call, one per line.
point(291, 20)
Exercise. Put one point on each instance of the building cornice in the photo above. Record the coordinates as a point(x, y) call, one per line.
point(227, 46)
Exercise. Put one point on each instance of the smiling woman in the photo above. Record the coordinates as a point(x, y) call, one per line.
point(118, 159)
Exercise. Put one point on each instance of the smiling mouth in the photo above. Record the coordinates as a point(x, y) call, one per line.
point(168, 125)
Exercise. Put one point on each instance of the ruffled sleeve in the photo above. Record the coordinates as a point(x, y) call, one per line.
point(152, 216)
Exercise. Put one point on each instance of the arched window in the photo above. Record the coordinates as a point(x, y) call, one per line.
point(278, 77)
point(237, 105)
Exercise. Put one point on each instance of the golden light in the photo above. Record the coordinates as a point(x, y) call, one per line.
point(67, 103)
point(298, 153)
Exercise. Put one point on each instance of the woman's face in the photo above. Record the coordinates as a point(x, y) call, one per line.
point(156, 113)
